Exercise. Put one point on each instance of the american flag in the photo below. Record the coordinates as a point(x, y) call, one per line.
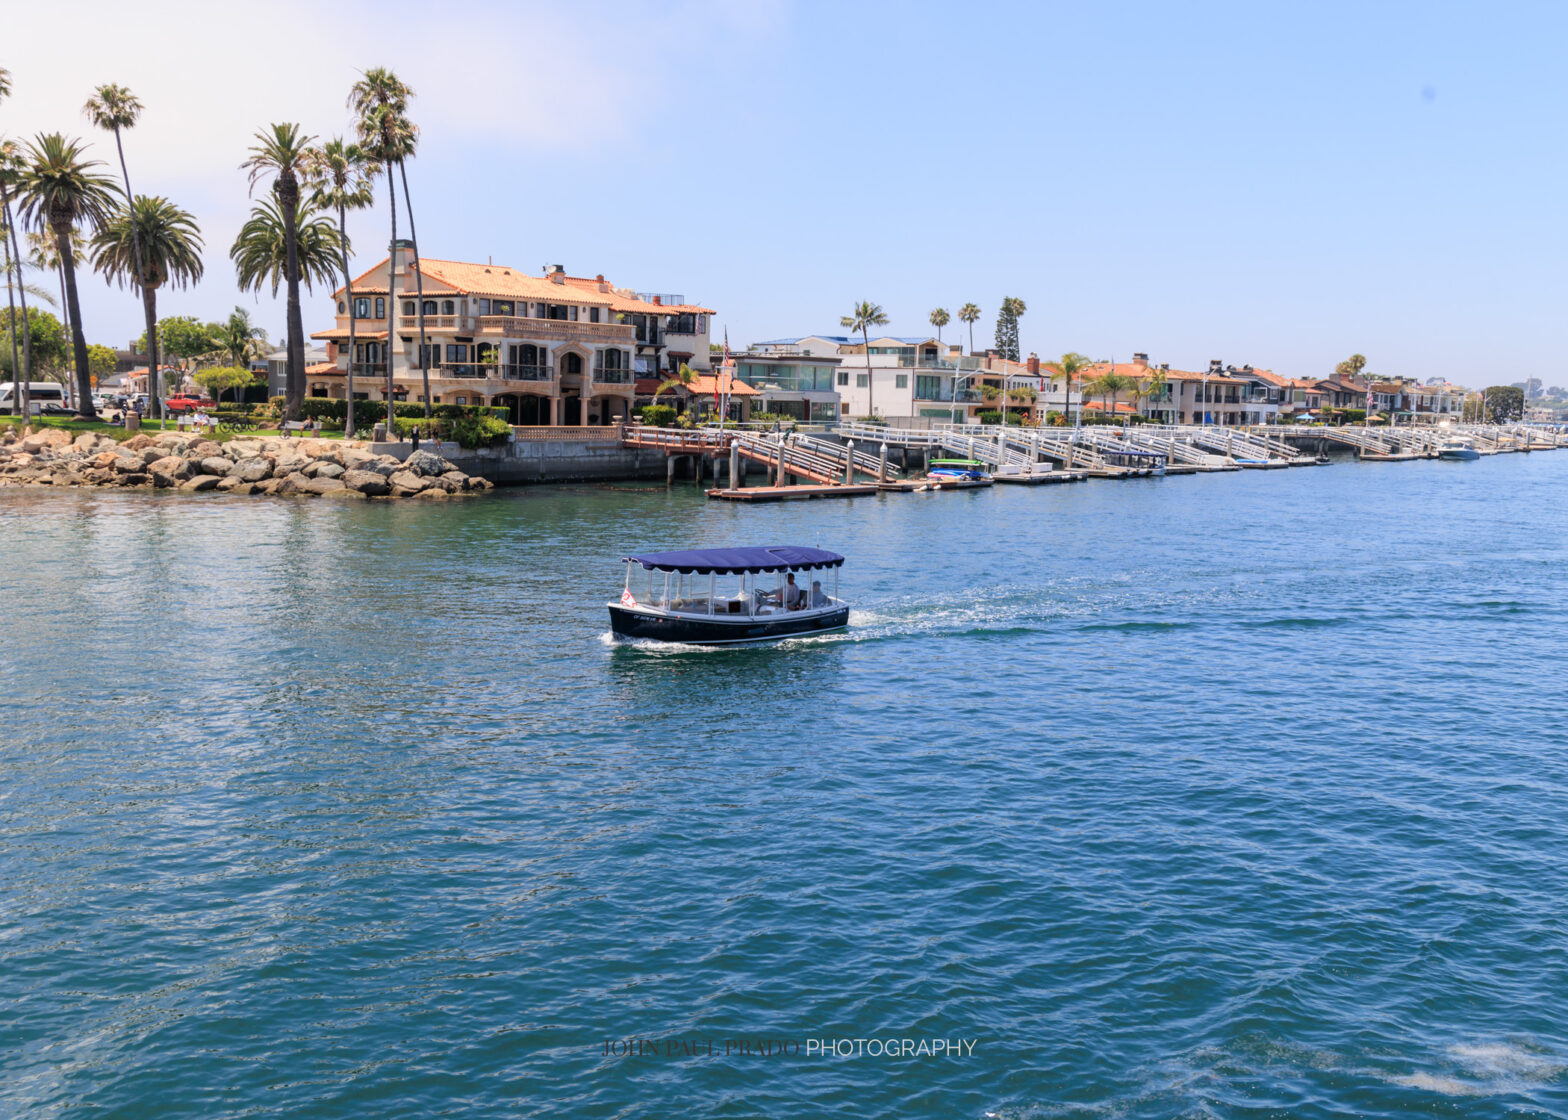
point(724, 367)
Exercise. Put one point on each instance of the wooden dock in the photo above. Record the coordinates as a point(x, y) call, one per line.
point(790, 493)
point(1041, 478)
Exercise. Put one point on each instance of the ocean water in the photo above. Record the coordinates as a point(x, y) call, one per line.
point(1235, 795)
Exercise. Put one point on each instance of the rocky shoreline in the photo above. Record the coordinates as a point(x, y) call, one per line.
point(172, 460)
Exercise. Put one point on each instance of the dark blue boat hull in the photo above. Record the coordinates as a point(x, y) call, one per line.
point(702, 632)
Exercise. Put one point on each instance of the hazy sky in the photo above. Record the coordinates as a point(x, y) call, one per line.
point(1280, 184)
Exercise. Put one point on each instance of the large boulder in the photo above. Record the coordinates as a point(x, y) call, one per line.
point(251, 470)
point(406, 484)
point(202, 448)
point(238, 449)
point(129, 464)
point(54, 437)
point(295, 483)
point(171, 465)
point(103, 459)
point(201, 482)
point(228, 483)
point(426, 464)
point(455, 480)
point(164, 481)
point(287, 463)
point(87, 441)
point(366, 482)
point(137, 442)
point(355, 458)
point(324, 485)
point(217, 465)
point(328, 470)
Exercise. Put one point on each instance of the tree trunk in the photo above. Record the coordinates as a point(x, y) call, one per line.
point(419, 285)
point(84, 388)
point(294, 376)
point(391, 302)
point(10, 299)
point(871, 384)
point(348, 291)
point(25, 375)
point(150, 309)
point(154, 398)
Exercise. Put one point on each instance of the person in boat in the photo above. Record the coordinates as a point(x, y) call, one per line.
point(793, 598)
point(818, 599)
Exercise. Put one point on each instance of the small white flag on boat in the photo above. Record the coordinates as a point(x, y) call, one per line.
point(627, 598)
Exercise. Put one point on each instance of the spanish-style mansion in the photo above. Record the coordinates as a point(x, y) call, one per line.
point(552, 349)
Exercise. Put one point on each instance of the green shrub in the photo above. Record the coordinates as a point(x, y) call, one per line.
point(994, 416)
point(480, 431)
point(658, 415)
point(428, 429)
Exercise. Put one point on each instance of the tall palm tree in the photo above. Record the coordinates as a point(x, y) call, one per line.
point(114, 108)
point(1153, 388)
point(1071, 364)
point(380, 100)
point(60, 189)
point(11, 168)
point(44, 253)
point(970, 314)
point(262, 252)
point(151, 244)
point(281, 152)
point(940, 319)
point(341, 174)
point(865, 316)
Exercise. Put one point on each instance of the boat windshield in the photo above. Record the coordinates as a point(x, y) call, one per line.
point(749, 594)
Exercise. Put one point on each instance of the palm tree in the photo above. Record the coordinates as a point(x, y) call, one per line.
point(115, 109)
point(44, 253)
point(58, 190)
point(1071, 364)
point(380, 101)
point(682, 378)
point(940, 319)
point(970, 314)
point(261, 253)
point(281, 152)
point(151, 244)
point(341, 173)
point(241, 342)
point(1153, 388)
point(865, 316)
point(10, 175)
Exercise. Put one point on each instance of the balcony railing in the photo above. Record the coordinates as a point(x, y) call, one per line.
point(924, 363)
point(612, 376)
point(483, 371)
point(515, 326)
point(960, 396)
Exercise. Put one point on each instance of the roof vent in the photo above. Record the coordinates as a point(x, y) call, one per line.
point(561, 268)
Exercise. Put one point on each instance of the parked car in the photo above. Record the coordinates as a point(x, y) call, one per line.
point(186, 404)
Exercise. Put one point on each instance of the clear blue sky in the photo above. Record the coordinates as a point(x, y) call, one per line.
point(1266, 183)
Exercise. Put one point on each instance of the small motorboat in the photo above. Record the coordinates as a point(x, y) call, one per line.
point(1459, 448)
point(970, 470)
point(725, 596)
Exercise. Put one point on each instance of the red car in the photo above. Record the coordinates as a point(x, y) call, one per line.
point(186, 404)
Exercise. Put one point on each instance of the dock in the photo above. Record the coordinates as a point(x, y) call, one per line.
point(794, 493)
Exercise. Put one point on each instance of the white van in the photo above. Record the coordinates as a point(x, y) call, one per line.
point(39, 393)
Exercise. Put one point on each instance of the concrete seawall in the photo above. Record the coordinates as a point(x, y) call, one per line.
point(592, 459)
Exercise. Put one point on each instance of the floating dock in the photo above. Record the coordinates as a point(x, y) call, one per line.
point(910, 485)
point(1040, 478)
point(789, 493)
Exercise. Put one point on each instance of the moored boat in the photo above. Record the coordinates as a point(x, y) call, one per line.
point(970, 470)
point(726, 596)
point(1458, 448)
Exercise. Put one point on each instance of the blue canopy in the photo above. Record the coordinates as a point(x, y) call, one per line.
point(773, 558)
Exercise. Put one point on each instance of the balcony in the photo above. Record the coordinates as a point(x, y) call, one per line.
point(564, 330)
point(612, 376)
point(945, 396)
point(925, 363)
point(472, 371)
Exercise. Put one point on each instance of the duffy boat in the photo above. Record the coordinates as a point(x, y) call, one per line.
point(726, 596)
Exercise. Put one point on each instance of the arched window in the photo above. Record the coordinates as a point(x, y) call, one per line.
point(341, 307)
point(408, 307)
point(430, 307)
point(448, 308)
point(614, 358)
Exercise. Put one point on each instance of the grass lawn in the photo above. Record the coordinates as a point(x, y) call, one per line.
point(114, 431)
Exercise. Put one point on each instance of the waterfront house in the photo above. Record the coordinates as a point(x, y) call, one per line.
point(1037, 387)
point(792, 380)
point(550, 349)
point(698, 397)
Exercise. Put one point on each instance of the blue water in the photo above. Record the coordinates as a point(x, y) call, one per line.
point(1219, 796)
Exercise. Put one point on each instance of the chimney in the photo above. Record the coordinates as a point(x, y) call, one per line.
point(1216, 367)
point(1034, 363)
point(599, 279)
point(658, 301)
point(557, 274)
point(402, 257)
point(1141, 360)
point(1165, 367)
